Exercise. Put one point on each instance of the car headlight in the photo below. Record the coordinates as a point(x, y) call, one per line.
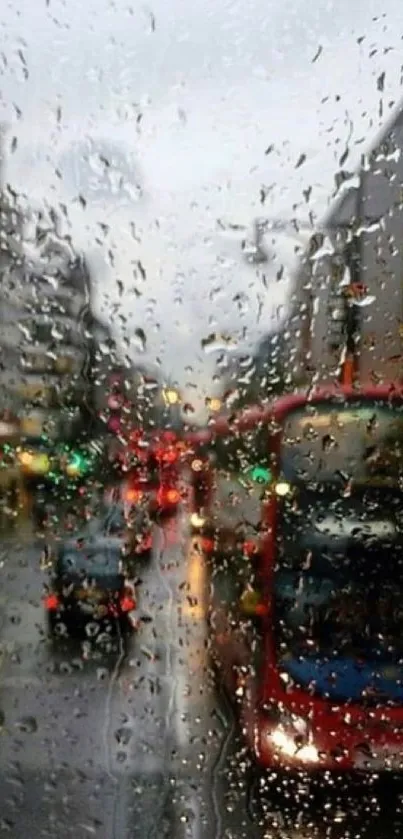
point(291, 737)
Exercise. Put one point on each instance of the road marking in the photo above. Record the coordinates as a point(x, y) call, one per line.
point(193, 605)
point(188, 641)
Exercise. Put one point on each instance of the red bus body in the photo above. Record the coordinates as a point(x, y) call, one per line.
point(335, 736)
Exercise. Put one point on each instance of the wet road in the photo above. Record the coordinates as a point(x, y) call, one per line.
point(137, 743)
point(125, 744)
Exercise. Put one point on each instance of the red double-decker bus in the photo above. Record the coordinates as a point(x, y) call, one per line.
point(307, 629)
point(309, 632)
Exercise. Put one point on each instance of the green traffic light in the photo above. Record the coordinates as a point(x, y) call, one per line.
point(260, 475)
point(78, 463)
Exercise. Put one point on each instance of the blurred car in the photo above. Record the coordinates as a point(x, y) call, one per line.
point(90, 582)
point(308, 634)
point(151, 471)
point(129, 524)
point(165, 456)
point(130, 528)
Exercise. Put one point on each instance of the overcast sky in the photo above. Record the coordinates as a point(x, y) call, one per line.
point(184, 99)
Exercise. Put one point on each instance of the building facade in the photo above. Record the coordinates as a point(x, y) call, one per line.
point(44, 339)
point(360, 241)
point(59, 363)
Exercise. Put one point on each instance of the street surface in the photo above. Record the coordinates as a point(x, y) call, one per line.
point(136, 742)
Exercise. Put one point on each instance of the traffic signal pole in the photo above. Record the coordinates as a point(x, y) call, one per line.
point(355, 296)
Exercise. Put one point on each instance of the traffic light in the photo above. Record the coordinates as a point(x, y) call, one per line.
point(260, 475)
point(77, 465)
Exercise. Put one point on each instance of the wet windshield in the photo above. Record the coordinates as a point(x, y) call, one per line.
point(201, 219)
point(362, 441)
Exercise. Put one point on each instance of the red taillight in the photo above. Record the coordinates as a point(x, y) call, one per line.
point(51, 602)
point(146, 543)
point(127, 604)
point(166, 455)
point(114, 425)
point(133, 496)
point(207, 545)
point(249, 548)
point(172, 496)
point(168, 496)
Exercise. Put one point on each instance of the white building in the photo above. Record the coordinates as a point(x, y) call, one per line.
point(361, 240)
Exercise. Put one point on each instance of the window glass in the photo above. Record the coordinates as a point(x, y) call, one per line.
point(362, 441)
point(99, 561)
point(246, 454)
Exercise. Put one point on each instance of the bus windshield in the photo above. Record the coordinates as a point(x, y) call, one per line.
point(360, 441)
point(338, 591)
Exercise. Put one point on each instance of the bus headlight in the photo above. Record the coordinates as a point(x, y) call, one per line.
point(197, 521)
point(287, 745)
point(291, 738)
point(282, 489)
